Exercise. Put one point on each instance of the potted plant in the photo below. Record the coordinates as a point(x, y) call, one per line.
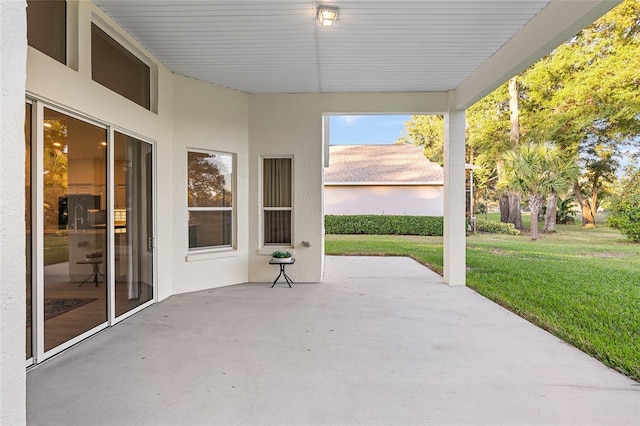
point(281, 257)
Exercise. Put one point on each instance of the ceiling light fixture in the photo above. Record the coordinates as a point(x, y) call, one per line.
point(327, 15)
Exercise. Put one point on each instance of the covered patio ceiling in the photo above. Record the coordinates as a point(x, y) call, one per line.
point(277, 46)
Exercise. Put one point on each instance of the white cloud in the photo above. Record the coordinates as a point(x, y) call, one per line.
point(350, 119)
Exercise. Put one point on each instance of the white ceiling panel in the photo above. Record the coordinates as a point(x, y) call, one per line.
point(277, 47)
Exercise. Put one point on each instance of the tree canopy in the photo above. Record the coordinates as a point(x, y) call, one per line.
point(584, 97)
point(427, 132)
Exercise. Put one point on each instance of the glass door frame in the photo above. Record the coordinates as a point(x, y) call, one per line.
point(113, 319)
point(37, 230)
point(33, 196)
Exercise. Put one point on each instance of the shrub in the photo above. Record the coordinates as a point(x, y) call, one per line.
point(625, 215)
point(496, 227)
point(383, 225)
point(629, 224)
point(625, 207)
point(566, 211)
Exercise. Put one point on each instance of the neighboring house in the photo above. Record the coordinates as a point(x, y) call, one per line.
point(382, 179)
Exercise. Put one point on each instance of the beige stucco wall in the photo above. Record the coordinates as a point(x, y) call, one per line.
point(254, 125)
point(213, 118)
point(13, 56)
point(190, 113)
point(292, 125)
point(415, 200)
point(75, 91)
point(195, 114)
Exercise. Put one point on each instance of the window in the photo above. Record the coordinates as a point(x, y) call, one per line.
point(210, 186)
point(113, 66)
point(47, 27)
point(276, 201)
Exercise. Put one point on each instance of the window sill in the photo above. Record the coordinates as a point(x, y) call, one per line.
point(208, 255)
point(268, 250)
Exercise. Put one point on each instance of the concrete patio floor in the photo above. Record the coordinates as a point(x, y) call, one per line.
point(381, 341)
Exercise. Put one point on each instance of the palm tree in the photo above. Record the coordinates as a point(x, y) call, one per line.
point(565, 170)
point(538, 170)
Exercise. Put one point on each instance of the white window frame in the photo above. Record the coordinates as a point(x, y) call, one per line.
point(268, 249)
point(195, 253)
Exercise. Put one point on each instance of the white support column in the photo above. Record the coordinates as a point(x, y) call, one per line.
point(454, 195)
point(13, 72)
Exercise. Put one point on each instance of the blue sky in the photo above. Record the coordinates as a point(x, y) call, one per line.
point(366, 129)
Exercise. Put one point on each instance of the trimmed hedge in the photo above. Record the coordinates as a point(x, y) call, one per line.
point(496, 227)
point(383, 225)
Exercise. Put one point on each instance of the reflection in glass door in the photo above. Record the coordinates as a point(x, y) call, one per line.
point(133, 223)
point(74, 158)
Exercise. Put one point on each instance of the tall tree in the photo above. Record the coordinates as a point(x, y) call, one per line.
point(427, 132)
point(510, 200)
point(584, 96)
point(563, 169)
point(488, 139)
point(600, 167)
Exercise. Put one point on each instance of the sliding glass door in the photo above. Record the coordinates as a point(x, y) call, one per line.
point(89, 203)
point(133, 220)
point(74, 157)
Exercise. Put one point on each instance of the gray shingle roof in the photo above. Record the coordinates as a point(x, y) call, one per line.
point(380, 163)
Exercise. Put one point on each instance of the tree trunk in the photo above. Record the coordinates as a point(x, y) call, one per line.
point(510, 209)
point(513, 198)
point(588, 219)
point(552, 210)
point(593, 203)
point(515, 215)
point(535, 202)
point(504, 208)
point(514, 113)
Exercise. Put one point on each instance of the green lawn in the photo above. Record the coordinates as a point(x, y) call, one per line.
point(583, 285)
point(56, 249)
